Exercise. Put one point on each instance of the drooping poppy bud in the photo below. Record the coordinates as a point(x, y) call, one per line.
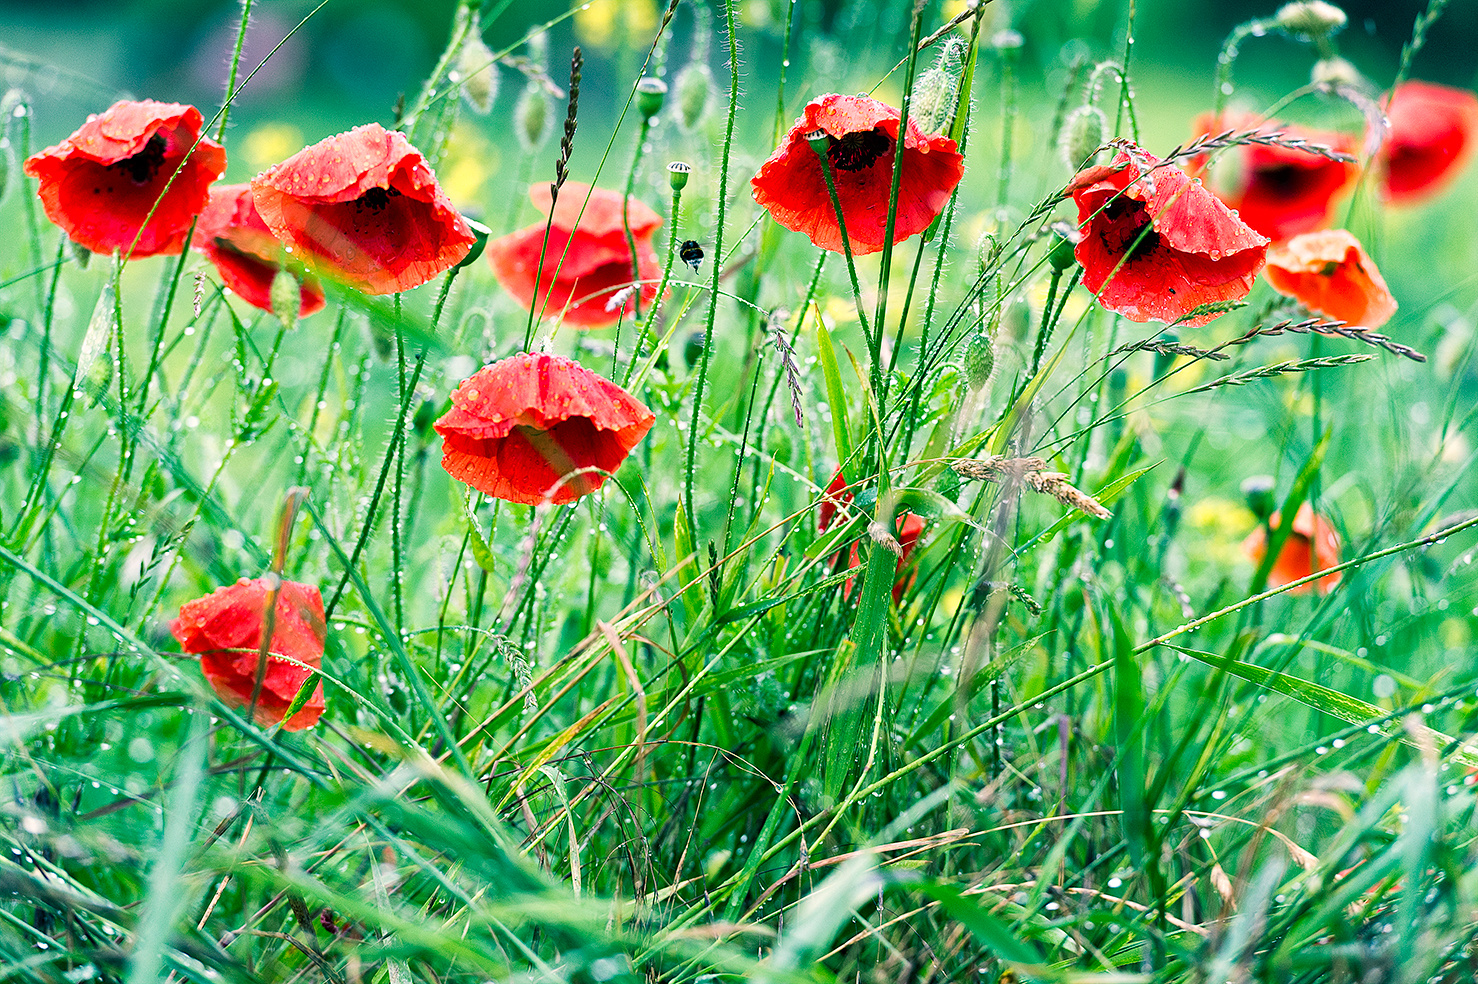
point(936, 91)
point(694, 95)
point(521, 429)
point(861, 137)
point(225, 630)
point(585, 262)
point(249, 258)
point(1312, 546)
point(1258, 490)
point(1282, 191)
point(1433, 130)
point(1157, 245)
point(1330, 274)
point(1082, 135)
point(533, 117)
point(476, 70)
point(102, 182)
point(363, 208)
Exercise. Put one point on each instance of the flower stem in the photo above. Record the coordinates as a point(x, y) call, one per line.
point(636, 155)
point(646, 323)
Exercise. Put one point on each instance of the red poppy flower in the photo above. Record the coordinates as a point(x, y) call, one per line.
point(909, 528)
point(100, 183)
point(1312, 546)
point(863, 135)
point(1279, 191)
point(225, 629)
point(517, 427)
point(1432, 135)
point(246, 254)
point(1330, 274)
point(1156, 244)
point(364, 208)
point(585, 263)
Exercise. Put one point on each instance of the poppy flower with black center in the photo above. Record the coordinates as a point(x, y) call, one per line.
point(908, 526)
point(225, 630)
point(1433, 129)
point(1312, 546)
point(364, 209)
point(1280, 191)
point(1330, 274)
point(862, 139)
point(100, 183)
point(587, 260)
point(522, 428)
point(1156, 245)
point(245, 253)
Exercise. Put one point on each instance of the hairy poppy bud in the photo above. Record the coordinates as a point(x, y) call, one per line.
point(475, 71)
point(1082, 134)
point(980, 360)
point(533, 117)
point(286, 298)
point(935, 92)
point(677, 174)
point(1310, 19)
point(1259, 492)
point(693, 348)
point(694, 93)
point(1065, 240)
point(650, 94)
point(1336, 71)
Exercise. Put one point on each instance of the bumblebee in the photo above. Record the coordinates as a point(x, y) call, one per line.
point(691, 253)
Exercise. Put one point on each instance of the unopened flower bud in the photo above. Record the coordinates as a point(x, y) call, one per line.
point(694, 93)
point(1310, 18)
point(1065, 238)
point(677, 174)
point(1082, 135)
point(1336, 71)
point(475, 71)
point(935, 92)
point(650, 94)
point(980, 360)
point(533, 117)
point(287, 297)
point(1259, 492)
point(693, 348)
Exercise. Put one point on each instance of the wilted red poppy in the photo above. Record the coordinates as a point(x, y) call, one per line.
point(1279, 191)
point(908, 526)
point(1312, 546)
point(518, 426)
point(225, 630)
point(862, 135)
point(99, 184)
point(1433, 128)
point(585, 263)
point(1330, 274)
point(363, 208)
point(1156, 244)
point(246, 254)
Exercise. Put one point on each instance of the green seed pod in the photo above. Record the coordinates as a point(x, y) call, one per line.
point(480, 234)
point(1082, 134)
point(980, 360)
point(693, 348)
point(1064, 241)
point(694, 95)
point(533, 117)
point(1259, 493)
point(677, 174)
point(475, 71)
point(1310, 19)
point(650, 94)
point(287, 298)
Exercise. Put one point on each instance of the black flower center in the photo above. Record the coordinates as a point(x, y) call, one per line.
point(375, 199)
point(1130, 230)
point(859, 151)
point(142, 167)
point(1282, 180)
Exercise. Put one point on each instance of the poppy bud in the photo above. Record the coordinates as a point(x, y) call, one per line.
point(694, 93)
point(1310, 19)
point(286, 298)
point(1336, 71)
point(533, 117)
point(475, 71)
point(693, 348)
point(935, 91)
point(650, 94)
point(980, 360)
point(1082, 135)
point(1259, 492)
point(1065, 240)
point(677, 174)
point(426, 415)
